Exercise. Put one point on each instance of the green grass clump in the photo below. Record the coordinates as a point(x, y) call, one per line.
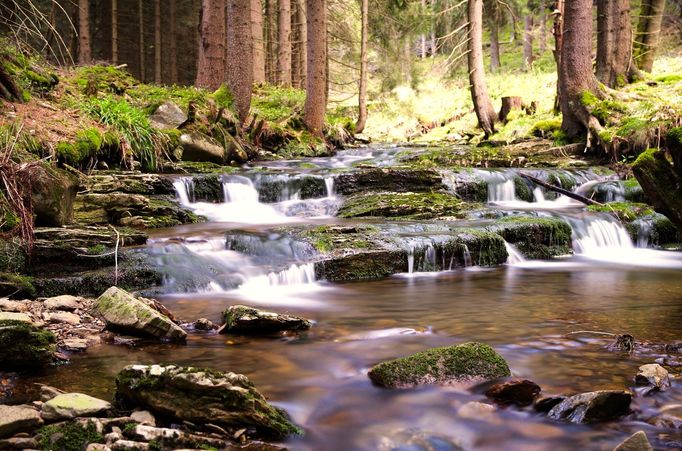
point(276, 103)
point(149, 97)
point(69, 436)
point(133, 125)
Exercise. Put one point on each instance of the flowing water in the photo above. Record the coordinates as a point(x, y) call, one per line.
point(527, 310)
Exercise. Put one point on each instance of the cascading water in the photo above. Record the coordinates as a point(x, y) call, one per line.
point(515, 256)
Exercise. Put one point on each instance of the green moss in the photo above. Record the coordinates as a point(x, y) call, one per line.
point(441, 365)
point(101, 78)
point(69, 436)
point(223, 97)
point(86, 145)
point(546, 128)
point(276, 103)
point(404, 206)
point(624, 211)
point(669, 78)
point(536, 238)
point(646, 157)
point(18, 284)
point(25, 346)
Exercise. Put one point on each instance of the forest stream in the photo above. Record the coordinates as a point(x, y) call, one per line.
point(549, 319)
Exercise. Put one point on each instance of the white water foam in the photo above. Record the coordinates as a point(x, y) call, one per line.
point(515, 256)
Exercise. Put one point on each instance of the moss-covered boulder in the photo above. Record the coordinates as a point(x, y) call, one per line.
point(388, 179)
point(404, 206)
point(453, 364)
point(535, 237)
point(67, 406)
point(24, 346)
point(123, 312)
point(53, 195)
point(240, 319)
point(202, 396)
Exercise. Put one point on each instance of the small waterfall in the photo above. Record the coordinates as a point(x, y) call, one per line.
point(596, 235)
point(515, 256)
point(329, 185)
point(294, 275)
point(538, 195)
point(500, 185)
point(468, 261)
point(240, 190)
point(645, 232)
point(184, 187)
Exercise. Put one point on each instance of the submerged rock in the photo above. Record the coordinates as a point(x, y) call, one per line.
point(202, 396)
point(461, 363)
point(24, 345)
point(418, 440)
point(636, 442)
point(593, 407)
point(518, 392)
point(73, 405)
point(653, 376)
point(240, 319)
point(15, 419)
point(122, 311)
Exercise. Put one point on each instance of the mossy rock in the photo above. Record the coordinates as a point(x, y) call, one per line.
point(202, 396)
point(23, 346)
point(404, 206)
point(71, 435)
point(53, 195)
point(241, 319)
point(17, 285)
point(390, 179)
point(536, 238)
point(624, 211)
point(468, 362)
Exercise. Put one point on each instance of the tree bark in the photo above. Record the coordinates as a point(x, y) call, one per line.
point(141, 49)
point(528, 42)
point(316, 82)
point(84, 49)
point(211, 65)
point(494, 23)
point(576, 79)
point(240, 48)
point(302, 40)
point(362, 97)
point(648, 33)
point(284, 44)
point(173, 42)
point(614, 43)
point(157, 42)
point(271, 40)
point(114, 32)
point(258, 42)
point(479, 91)
point(558, 31)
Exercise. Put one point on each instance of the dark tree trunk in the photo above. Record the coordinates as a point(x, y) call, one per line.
point(558, 32)
point(173, 42)
point(316, 82)
point(284, 44)
point(271, 40)
point(114, 32)
point(9, 90)
point(576, 79)
point(157, 42)
point(479, 91)
point(362, 97)
point(141, 49)
point(240, 48)
point(84, 49)
point(211, 66)
point(614, 43)
point(258, 42)
point(648, 33)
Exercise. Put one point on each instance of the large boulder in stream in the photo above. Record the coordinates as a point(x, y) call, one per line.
point(593, 407)
point(240, 319)
point(123, 312)
point(23, 345)
point(468, 362)
point(67, 406)
point(203, 396)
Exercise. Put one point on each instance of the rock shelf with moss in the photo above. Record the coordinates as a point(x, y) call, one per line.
point(465, 363)
point(404, 206)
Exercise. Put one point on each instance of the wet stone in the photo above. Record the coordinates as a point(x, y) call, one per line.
point(653, 376)
point(636, 442)
point(593, 407)
point(240, 319)
point(517, 392)
point(15, 419)
point(65, 302)
point(73, 405)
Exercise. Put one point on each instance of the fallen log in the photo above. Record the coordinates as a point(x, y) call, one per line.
point(559, 190)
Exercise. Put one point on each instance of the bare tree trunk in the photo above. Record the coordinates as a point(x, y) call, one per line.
point(303, 42)
point(284, 51)
point(528, 42)
point(240, 48)
point(84, 49)
point(494, 23)
point(173, 42)
point(157, 42)
point(211, 66)
point(295, 45)
point(316, 98)
point(543, 27)
point(362, 97)
point(614, 43)
point(558, 32)
point(576, 78)
point(479, 91)
point(422, 37)
point(114, 32)
point(271, 40)
point(140, 16)
point(258, 42)
point(648, 33)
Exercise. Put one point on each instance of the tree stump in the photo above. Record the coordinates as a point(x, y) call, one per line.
point(511, 103)
point(9, 90)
